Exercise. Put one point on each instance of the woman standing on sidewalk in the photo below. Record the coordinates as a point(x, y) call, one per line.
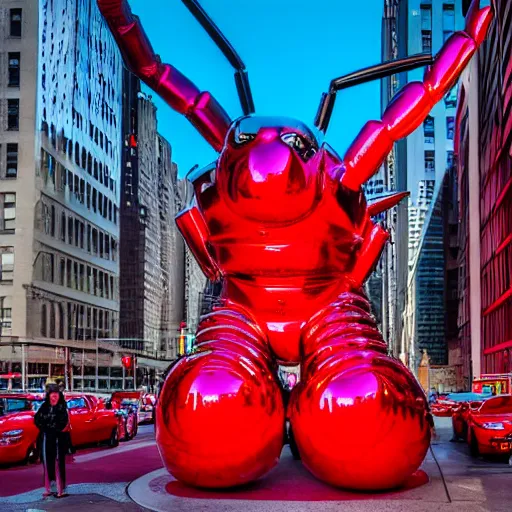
point(52, 419)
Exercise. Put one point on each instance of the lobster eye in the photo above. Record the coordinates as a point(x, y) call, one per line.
point(303, 147)
point(243, 138)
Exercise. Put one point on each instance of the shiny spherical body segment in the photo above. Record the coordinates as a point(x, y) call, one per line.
point(220, 418)
point(362, 424)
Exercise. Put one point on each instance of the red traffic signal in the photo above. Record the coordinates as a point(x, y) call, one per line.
point(127, 361)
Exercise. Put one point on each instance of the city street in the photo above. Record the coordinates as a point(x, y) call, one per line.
point(110, 479)
point(97, 478)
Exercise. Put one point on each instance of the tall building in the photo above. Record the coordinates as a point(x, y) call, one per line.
point(417, 164)
point(60, 134)
point(484, 147)
point(152, 250)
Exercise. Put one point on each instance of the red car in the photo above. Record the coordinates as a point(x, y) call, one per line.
point(134, 402)
point(91, 422)
point(490, 427)
point(18, 433)
point(460, 414)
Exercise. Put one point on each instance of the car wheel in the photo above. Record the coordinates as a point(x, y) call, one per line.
point(473, 445)
point(32, 455)
point(114, 438)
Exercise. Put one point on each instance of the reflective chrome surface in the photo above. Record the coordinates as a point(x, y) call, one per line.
point(284, 223)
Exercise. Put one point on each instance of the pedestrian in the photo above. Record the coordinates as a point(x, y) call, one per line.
point(432, 396)
point(67, 431)
point(52, 419)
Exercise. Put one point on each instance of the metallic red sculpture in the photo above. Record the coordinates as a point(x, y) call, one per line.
point(283, 221)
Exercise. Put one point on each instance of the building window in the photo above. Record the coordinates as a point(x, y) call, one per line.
point(12, 161)
point(450, 127)
point(428, 130)
point(448, 20)
point(426, 27)
point(7, 264)
point(44, 321)
point(8, 211)
point(15, 15)
point(14, 69)
point(430, 165)
point(13, 115)
point(6, 318)
point(450, 100)
point(426, 41)
point(449, 159)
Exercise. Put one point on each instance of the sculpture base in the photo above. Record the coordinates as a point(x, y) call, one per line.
point(288, 482)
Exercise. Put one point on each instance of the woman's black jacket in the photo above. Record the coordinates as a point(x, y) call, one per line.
point(52, 420)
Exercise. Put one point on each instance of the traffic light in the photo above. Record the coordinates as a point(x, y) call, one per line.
point(127, 362)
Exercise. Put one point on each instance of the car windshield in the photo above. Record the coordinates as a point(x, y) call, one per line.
point(466, 397)
point(8, 405)
point(76, 403)
point(497, 405)
point(129, 401)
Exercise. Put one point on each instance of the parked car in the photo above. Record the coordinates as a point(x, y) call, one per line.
point(464, 403)
point(147, 410)
point(18, 433)
point(445, 406)
point(490, 427)
point(134, 401)
point(91, 421)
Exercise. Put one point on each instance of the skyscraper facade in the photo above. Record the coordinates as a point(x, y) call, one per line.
point(60, 161)
point(417, 164)
point(152, 251)
point(484, 148)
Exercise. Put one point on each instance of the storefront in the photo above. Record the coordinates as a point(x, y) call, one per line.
point(96, 368)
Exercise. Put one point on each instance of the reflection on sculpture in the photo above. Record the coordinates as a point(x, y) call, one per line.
point(282, 219)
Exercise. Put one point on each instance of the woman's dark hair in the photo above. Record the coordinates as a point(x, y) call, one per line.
point(54, 388)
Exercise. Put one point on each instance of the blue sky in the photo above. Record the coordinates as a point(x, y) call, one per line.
point(292, 49)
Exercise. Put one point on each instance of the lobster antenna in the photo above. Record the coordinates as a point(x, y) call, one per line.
point(362, 76)
point(241, 77)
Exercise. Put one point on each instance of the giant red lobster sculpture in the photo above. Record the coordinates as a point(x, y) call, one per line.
point(283, 220)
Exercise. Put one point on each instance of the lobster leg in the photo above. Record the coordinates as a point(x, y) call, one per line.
point(221, 416)
point(411, 105)
point(200, 108)
point(359, 417)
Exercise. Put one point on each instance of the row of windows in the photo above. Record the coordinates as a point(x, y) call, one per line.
point(86, 194)
point(496, 277)
point(76, 321)
point(81, 234)
point(426, 24)
point(496, 326)
point(430, 160)
point(76, 275)
point(99, 171)
point(429, 129)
